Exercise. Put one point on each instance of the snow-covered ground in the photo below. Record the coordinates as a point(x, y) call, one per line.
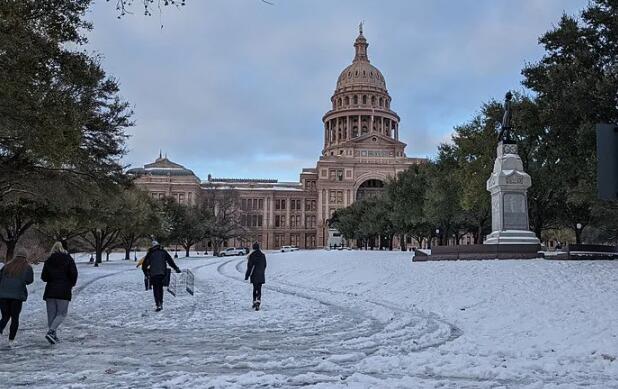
point(332, 319)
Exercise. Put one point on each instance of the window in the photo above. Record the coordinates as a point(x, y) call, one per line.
point(279, 220)
point(310, 241)
point(280, 205)
point(364, 99)
point(339, 102)
point(295, 221)
point(310, 221)
point(381, 102)
point(347, 100)
point(355, 99)
point(310, 205)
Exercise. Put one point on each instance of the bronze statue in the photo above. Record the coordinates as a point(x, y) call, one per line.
point(505, 128)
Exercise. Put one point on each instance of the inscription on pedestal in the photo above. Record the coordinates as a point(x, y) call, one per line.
point(515, 179)
point(515, 217)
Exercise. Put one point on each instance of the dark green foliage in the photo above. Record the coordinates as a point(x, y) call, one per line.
point(61, 120)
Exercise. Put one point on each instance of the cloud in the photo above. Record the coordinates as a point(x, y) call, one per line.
point(238, 88)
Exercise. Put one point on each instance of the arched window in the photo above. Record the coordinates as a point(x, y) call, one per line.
point(355, 100)
point(364, 99)
point(339, 102)
point(373, 100)
point(388, 104)
point(347, 100)
point(381, 102)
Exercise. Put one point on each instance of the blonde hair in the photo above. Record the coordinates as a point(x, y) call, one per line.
point(57, 248)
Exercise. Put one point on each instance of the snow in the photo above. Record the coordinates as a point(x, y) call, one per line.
point(357, 319)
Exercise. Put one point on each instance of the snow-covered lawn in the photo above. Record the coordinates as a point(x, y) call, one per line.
point(330, 319)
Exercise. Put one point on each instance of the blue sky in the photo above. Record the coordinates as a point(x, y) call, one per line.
point(237, 88)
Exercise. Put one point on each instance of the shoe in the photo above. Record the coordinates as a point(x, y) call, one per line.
point(159, 309)
point(51, 337)
point(12, 343)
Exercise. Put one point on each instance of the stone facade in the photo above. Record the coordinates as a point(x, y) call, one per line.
point(361, 151)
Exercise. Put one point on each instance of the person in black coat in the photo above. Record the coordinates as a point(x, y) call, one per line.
point(14, 277)
point(155, 268)
point(60, 275)
point(256, 267)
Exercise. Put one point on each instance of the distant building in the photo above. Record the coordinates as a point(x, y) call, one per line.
point(361, 151)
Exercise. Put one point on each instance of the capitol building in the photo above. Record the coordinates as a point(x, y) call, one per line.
point(361, 151)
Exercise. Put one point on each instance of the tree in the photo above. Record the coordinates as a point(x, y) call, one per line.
point(140, 219)
point(188, 223)
point(576, 82)
point(222, 207)
point(442, 205)
point(102, 222)
point(406, 193)
point(61, 120)
point(17, 216)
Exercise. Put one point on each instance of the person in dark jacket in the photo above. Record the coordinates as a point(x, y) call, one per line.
point(60, 275)
point(256, 267)
point(14, 277)
point(155, 268)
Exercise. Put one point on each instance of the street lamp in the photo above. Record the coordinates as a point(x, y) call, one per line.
point(438, 235)
point(578, 233)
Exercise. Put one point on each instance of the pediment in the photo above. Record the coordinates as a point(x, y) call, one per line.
point(374, 139)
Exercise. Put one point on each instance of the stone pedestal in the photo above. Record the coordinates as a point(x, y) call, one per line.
point(508, 185)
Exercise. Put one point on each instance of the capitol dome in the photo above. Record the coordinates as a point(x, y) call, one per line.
point(361, 73)
point(360, 106)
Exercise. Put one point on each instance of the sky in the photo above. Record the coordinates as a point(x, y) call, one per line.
point(238, 88)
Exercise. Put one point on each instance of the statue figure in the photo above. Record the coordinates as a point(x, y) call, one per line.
point(505, 128)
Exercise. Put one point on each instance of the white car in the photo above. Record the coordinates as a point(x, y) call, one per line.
point(231, 251)
point(285, 249)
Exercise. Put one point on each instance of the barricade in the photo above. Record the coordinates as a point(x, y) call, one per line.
point(181, 283)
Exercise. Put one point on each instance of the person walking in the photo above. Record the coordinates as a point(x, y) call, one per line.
point(60, 275)
point(155, 268)
point(14, 277)
point(256, 267)
point(146, 279)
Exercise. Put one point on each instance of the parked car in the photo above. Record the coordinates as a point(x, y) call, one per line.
point(285, 249)
point(231, 251)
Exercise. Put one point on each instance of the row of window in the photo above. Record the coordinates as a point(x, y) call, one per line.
point(364, 100)
point(181, 197)
point(295, 221)
point(295, 204)
point(280, 240)
point(251, 204)
point(251, 220)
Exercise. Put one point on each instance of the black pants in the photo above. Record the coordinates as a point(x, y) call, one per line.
point(257, 292)
point(157, 289)
point(11, 309)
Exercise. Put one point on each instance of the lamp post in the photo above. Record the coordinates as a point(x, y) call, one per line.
point(176, 251)
point(578, 233)
point(438, 235)
point(135, 253)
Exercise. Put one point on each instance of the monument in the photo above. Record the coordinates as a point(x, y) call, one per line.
point(508, 185)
